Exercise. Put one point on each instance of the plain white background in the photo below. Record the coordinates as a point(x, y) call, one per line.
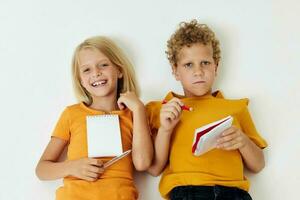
point(260, 60)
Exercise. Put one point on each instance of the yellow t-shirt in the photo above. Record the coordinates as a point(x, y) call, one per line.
point(117, 181)
point(216, 167)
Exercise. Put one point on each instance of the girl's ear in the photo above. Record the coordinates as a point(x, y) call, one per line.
point(174, 72)
point(120, 75)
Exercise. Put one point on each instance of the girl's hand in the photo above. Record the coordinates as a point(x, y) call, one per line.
point(129, 100)
point(232, 138)
point(88, 169)
point(170, 114)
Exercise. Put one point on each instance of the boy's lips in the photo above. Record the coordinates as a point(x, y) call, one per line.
point(198, 82)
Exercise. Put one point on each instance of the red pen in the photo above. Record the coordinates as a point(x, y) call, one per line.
point(184, 107)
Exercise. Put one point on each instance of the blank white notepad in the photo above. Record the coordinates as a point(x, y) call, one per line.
point(103, 135)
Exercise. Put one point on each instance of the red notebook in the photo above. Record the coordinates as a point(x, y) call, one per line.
point(205, 137)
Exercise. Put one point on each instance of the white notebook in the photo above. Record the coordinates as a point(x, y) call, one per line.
point(103, 136)
point(205, 137)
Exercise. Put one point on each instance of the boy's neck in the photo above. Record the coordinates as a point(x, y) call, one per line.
point(207, 94)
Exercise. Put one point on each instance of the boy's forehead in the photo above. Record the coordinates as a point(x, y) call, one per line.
point(197, 49)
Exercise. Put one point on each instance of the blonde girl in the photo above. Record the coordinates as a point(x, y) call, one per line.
point(104, 83)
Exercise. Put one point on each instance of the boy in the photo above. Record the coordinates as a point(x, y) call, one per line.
point(194, 54)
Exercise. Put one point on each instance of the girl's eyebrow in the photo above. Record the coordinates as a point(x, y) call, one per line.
point(99, 61)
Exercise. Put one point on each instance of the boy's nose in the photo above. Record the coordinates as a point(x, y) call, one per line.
point(198, 71)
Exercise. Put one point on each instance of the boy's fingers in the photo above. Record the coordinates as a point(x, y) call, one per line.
point(176, 100)
point(170, 115)
point(173, 110)
point(229, 131)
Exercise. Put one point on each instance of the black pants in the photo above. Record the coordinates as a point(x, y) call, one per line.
point(208, 193)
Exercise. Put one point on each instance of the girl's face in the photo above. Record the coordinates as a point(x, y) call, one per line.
point(196, 69)
point(98, 75)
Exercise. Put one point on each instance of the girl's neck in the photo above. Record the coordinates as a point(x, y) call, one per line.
point(106, 104)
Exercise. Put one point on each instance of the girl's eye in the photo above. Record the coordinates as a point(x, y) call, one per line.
point(103, 65)
point(188, 65)
point(86, 70)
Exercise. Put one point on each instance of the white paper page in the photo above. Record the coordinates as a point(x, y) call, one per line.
point(103, 136)
point(209, 140)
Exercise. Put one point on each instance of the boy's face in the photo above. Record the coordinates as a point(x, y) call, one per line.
point(196, 69)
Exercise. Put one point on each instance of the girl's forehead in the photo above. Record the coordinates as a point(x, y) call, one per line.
point(87, 55)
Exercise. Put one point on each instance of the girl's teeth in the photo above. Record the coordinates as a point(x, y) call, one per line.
point(98, 83)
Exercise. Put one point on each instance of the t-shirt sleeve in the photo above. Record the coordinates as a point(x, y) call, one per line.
point(152, 111)
point(62, 128)
point(249, 128)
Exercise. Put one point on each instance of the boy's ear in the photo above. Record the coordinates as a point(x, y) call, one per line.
point(174, 72)
point(216, 69)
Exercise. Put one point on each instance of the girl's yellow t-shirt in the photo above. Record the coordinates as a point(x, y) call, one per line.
point(117, 181)
point(216, 167)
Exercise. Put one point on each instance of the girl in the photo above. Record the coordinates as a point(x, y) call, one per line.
point(104, 83)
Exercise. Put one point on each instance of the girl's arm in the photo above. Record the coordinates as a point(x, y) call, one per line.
point(142, 148)
point(48, 168)
point(234, 139)
point(169, 117)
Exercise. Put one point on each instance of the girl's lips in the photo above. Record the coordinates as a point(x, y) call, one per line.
point(97, 83)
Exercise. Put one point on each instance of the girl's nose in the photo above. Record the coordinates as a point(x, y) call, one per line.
point(97, 72)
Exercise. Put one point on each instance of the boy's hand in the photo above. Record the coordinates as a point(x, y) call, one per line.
point(232, 138)
point(129, 100)
point(170, 114)
point(88, 169)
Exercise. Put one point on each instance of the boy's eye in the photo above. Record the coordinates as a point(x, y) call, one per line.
point(188, 65)
point(205, 63)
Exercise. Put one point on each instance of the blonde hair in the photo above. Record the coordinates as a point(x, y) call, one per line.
point(189, 33)
point(106, 46)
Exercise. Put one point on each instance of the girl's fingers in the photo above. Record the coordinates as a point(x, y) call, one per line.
point(96, 162)
point(98, 170)
point(92, 175)
point(121, 104)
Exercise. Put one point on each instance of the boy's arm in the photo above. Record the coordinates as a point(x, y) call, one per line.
point(253, 156)
point(234, 139)
point(169, 117)
point(161, 153)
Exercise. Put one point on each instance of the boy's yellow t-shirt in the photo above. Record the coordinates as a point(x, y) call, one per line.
point(117, 181)
point(216, 167)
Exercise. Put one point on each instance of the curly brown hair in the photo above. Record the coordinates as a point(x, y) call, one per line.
point(190, 33)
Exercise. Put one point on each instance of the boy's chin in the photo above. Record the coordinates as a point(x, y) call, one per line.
point(196, 93)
